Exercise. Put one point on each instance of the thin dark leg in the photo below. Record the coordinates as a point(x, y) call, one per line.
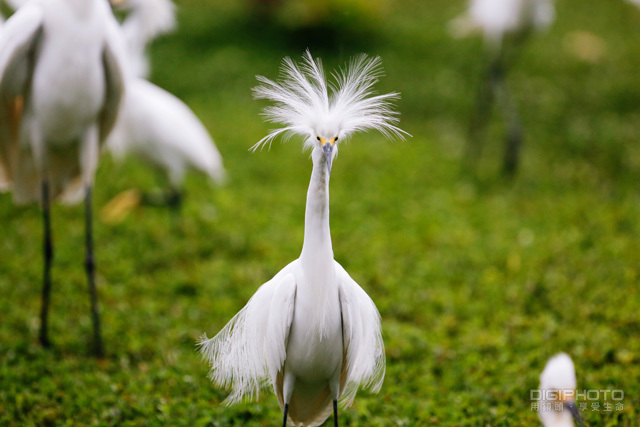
point(335, 413)
point(513, 142)
point(90, 269)
point(48, 258)
point(482, 112)
point(286, 411)
point(174, 198)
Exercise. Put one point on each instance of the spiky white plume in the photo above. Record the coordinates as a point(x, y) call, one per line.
point(306, 104)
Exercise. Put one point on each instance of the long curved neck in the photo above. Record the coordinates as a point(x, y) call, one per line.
point(316, 249)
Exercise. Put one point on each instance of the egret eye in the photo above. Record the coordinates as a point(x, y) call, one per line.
point(318, 138)
point(336, 139)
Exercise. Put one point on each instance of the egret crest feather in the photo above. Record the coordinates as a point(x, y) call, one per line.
point(306, 102)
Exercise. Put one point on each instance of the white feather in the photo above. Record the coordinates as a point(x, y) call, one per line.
point(250, 348)
point(160, 129)
point(147, 20)
point(306, 103)
point(362, 337)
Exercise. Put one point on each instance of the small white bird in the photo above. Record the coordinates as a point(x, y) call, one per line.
point(154, 125)
point(61, 82)
point(147, 20)
point(504, 24)
point(311, 331)
point(557, 407)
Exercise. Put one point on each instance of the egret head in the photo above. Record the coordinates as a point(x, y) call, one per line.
point(327, 114)
point(557, 386)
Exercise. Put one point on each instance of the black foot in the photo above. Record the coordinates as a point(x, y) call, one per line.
point(170, 198)
point(44, 341)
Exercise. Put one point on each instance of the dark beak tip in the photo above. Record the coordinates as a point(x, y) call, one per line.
point(328, 149)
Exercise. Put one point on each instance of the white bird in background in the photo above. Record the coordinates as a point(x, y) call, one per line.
point(61, 83)
point(557, 407)
point(154, 125)
point(147, 19)
point(311, 331)
point(161, 130)
point(504, 24)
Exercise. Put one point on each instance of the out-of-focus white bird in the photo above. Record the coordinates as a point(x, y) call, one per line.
point(557, 407)
point(504, 24)
point(160, 129)
point(635, 2)
point(499, 19)
point(154, 125)
point(311, 331)
point(61, 83)
point(147, 20)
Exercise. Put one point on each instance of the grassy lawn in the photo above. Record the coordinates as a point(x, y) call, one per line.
point(479, 279)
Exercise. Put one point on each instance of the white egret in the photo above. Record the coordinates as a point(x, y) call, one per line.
point(504, 24)
point(311, 331)
point(147, 19)
point(160, 129)
point(154, 125)
point(557, 406)
point(61, 82)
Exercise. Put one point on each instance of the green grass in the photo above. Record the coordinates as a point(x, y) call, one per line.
point(479, 280)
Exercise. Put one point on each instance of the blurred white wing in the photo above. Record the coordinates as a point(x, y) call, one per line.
point(362, 335)
point(15, 4)
point(148, 20)
point(250, 349)
point(162, 130)
point(18, 40)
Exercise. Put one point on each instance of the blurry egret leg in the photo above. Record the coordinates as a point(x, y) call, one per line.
point(89, 153)
point(174, 198)
point(286, 412)
point(513, 141)
point(335, 413)
point(90, 269)
point(48, 258)
point(482, 112)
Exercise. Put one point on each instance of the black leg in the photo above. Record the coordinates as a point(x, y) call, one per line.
point(286, 411)
point(481, 114)
point(513, 141)
point(174, 198)
point(48, 258)
point(335, 413)
point(90, 269)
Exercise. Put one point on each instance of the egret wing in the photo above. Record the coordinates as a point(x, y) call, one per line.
point(364, 363)
point(18, 44)
point(161, 129)
point(251, 347)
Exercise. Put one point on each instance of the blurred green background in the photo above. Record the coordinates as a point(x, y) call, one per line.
point(479, 279)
